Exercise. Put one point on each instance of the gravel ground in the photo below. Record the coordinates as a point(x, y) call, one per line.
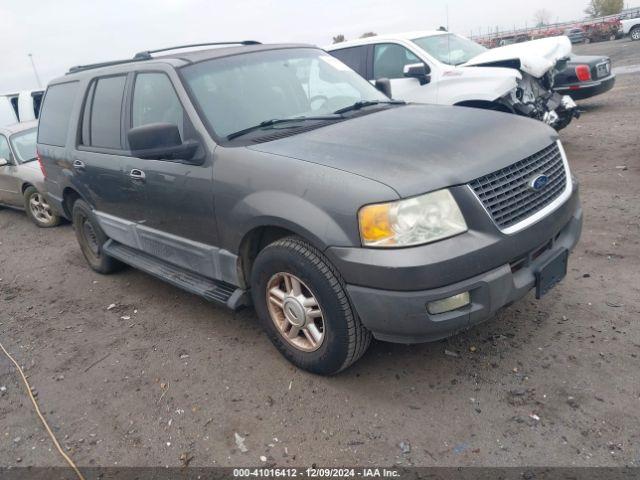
point(165, 378)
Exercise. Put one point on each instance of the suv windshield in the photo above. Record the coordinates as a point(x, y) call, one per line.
point(449, 48)
point(241, 91)
point(24, 145)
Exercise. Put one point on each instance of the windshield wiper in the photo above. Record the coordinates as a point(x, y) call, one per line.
point(367, 103)
point(30, 160)
point(276, 121)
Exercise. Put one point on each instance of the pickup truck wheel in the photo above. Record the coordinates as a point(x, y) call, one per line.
point(302, 304)
point(91, 239)
point(39, 210)
point(635, 33)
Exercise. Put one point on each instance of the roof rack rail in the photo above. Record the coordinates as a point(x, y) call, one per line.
point(89, 66)
point(146, 55)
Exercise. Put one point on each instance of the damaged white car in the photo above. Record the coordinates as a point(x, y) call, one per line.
point(448, 69)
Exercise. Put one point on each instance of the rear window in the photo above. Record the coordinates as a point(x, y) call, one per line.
point(56, 114)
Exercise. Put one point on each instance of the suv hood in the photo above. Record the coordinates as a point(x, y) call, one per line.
point(536, 57)
point(416, 149)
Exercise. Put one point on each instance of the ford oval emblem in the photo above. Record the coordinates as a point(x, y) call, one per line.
point(538, 183)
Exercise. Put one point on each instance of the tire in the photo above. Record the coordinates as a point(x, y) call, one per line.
point(91, 238)
point(344, 338)
point(635, 33)
point(38, 209)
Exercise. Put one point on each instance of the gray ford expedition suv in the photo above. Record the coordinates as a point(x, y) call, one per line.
point(274, 175)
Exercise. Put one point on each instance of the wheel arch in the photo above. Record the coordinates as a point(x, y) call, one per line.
point(69, 197)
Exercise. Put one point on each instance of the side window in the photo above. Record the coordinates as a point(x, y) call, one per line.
point(354, 57)
point(105, 118)
point(156, 101)
point(389, 60)
point(4, 148)
point(56, 114)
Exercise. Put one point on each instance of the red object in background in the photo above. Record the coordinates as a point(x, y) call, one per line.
point(583, 72)
point(44, 172)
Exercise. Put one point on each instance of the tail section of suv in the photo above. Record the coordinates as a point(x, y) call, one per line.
point(275, 176)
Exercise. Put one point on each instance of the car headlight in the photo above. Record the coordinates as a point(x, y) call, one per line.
point(413, 221)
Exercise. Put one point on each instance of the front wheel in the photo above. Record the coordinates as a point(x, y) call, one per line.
point(635, 33)
point(39, 210)
point(302, 304)
point(91, 239)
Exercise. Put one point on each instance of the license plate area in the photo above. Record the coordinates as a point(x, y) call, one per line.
point(551, 272)
point(603, 69)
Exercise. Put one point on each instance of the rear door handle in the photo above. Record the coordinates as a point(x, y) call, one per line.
point(79, 165)
point(137, 174)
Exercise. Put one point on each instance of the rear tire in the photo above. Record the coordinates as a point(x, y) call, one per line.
point(91, 239)
point(635, 33)
point(38, 209)
point(339, 338)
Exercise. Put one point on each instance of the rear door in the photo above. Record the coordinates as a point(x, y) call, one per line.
point(97, 161)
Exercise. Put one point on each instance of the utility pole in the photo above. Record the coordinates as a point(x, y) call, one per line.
point(35, 72)
point(447, 17)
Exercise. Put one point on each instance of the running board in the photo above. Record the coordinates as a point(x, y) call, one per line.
point(212, 290)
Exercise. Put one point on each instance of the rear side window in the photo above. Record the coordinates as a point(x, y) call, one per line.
point(56, 114)
point(156, 101)
point(354, 57)
point(105, 113)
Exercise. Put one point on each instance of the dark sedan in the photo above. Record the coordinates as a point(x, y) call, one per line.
point(576, 35)
point(585, 76)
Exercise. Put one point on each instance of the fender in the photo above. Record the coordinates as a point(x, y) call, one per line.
point(466, 84)
point(285, 210)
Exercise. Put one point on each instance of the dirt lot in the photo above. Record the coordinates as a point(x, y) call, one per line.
point(550, 382)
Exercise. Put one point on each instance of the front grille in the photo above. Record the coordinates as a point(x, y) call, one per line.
point(507, 194)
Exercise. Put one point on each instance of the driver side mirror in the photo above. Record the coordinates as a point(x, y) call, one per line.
point(161, 141)
point(420, 71)
point(3, 162)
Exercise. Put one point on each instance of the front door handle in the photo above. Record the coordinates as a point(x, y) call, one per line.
point(137, 174)
point(79, 165)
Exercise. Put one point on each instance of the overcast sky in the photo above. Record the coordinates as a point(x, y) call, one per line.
point(63, 33)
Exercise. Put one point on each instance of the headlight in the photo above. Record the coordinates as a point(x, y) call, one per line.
point(413, 221)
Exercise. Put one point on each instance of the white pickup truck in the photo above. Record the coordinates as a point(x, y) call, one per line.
point(631, 27)
point(22, 106)
point(448, 69)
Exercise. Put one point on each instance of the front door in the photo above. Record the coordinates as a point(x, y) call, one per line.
point(169, 204)
point(389, 60)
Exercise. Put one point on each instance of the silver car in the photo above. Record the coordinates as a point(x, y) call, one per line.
point(21, 178)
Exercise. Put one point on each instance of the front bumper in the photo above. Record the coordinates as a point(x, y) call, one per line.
point(401, 315)
point(580, 91)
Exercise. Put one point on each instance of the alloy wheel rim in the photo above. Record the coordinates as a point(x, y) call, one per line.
point(636, 35)
point(295, 311)
point(40, 208)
